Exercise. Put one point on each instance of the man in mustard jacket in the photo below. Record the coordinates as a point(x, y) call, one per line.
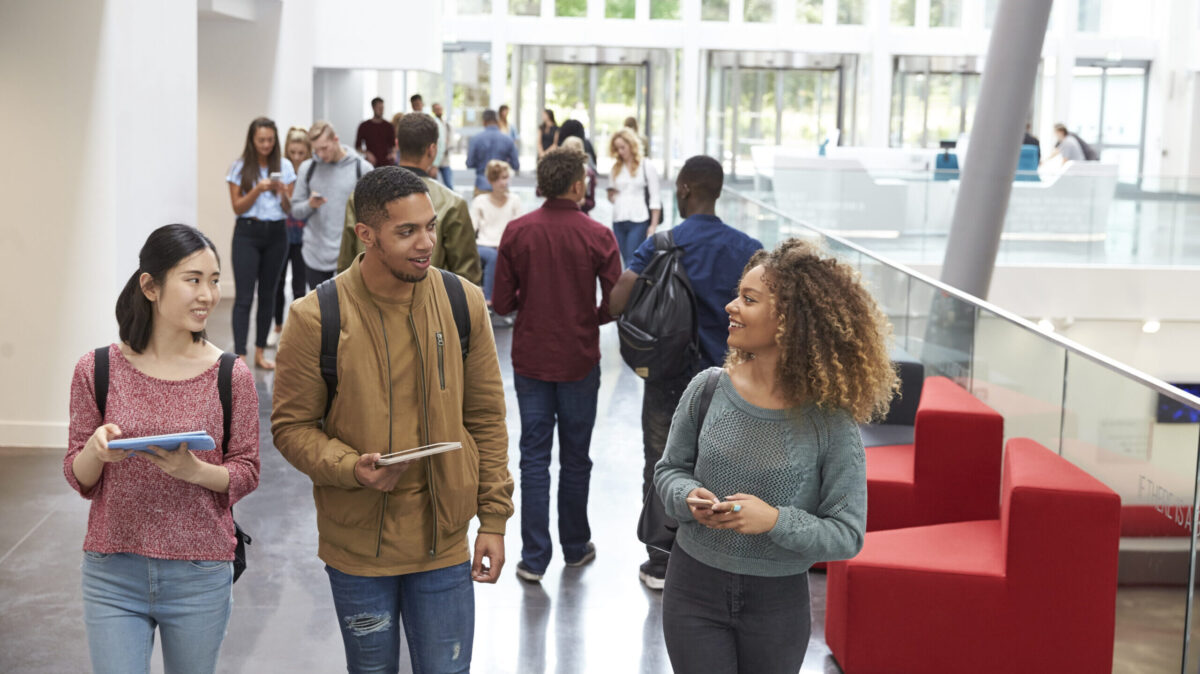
point(394, 538)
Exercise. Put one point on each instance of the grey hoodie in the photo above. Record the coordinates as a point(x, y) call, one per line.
point(323, 226)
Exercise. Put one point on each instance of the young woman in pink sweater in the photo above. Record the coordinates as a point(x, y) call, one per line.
point(160, 539)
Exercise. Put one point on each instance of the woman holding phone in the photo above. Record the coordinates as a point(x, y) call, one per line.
point(634, 192)
point(775, 481)
point(260, 188)
point(160, 539)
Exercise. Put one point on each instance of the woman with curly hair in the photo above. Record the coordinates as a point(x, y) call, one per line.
point(775, 480)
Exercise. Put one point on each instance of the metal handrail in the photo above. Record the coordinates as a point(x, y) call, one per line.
point(1158, 385)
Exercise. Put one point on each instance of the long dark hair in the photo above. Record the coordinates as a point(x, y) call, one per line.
point(550, 114)
point(250, 153)
point(166, 247)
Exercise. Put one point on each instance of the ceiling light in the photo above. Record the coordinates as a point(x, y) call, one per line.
point(1046, 325)
point(1151, 326)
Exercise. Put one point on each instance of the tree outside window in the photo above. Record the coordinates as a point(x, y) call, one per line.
point(714, 10)
point(759, 11)
point(851, 12)
point(945, 13)
point(525, 7)
point(810, 11)
point(570, 7)
point(904, 12)
point(619, 9)
point(664, 9)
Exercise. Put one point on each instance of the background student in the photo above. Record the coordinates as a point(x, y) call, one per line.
point(490, 213)
point(260, 189)
point(780, 449)
point(297, 148)
point(160, 538)
point(634, 192)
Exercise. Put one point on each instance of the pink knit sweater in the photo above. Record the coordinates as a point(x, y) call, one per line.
point(138, 508)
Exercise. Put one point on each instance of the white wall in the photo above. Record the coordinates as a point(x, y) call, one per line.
point(102, 144)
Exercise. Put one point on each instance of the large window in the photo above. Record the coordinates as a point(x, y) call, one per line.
point(664, 9)
point(933, 99)
point(945, 13)
point(759, 11)
point(904, 12)
point(471, 7)
point(525, 7)
point(851, 11)
point(810, 11)
point(570, 7)
point(619, 9)
point(714, 10)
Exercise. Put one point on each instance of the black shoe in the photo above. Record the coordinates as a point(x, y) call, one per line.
point(653, 576)
point(588, 556)
point(528, 574)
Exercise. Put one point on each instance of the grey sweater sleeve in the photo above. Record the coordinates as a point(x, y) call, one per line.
point(300, 208)
point(675, 473)
point(836, 530)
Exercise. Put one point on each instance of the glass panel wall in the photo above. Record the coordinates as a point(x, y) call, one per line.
point(469, 7)
point(931, 100)
point(1108, 103)
point(851, 12)
point(570, 7)
point(714, 10)
point(945, 13)
point(904, 12)
point(810, 11)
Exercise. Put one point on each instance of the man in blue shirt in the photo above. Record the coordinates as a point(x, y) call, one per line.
point(489, 144)
point(714, 257)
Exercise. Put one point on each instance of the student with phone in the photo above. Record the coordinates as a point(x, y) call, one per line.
point(260, 189)
point(776, 479)
point(160, 539)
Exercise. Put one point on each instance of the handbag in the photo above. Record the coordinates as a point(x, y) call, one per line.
point(655, 528)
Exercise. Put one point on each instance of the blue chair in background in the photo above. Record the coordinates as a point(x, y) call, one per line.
point(1027, 164)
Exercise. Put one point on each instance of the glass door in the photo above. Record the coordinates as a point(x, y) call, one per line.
point(620, 93)
point(1108, 110)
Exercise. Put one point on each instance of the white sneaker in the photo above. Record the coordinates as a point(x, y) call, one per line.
point(273, 339)
point(525, 573)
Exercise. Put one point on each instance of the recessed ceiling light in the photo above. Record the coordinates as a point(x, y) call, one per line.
point(1151, 326)
point(1046, 325)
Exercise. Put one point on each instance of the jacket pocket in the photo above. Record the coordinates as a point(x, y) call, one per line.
point(349, 519)
point(458, 490)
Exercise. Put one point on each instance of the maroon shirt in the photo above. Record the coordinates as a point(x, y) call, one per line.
point(380, 137)
point(547, 267)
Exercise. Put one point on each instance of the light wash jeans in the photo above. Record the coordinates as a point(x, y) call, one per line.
point(125, 596)
point(436, 608)
point(487, 257)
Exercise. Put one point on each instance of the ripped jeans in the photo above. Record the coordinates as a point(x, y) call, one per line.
point(437, 609)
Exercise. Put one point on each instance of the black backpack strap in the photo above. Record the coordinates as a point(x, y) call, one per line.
point(100, 380)
point(458, 306)
point(358, 169)
point(331, 330)
point(312, 166)
point(225, 391)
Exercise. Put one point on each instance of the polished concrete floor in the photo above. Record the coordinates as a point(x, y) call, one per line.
point(594, 619)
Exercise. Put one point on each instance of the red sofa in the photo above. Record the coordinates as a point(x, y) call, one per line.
point(1031, 591)
point(951, 472)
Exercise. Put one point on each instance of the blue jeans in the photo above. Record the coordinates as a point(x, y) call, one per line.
point(125, 596)
point(573, 405)
point(436, 607)
point(630, 236)
point(487, 256)
point(447, 176)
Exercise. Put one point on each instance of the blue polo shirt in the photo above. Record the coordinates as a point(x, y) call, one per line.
point(266, 206)
point(714, 256)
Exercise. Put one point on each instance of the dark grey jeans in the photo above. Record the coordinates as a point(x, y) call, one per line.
point(725, 623)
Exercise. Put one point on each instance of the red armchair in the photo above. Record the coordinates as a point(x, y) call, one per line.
point(951, 472)
point(1032, 591)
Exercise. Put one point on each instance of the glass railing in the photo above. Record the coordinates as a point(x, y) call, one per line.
point(1082, 215)
point(1134, 433)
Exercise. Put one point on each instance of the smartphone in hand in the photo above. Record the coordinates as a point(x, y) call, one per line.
point(275, 176)
point(701, 503)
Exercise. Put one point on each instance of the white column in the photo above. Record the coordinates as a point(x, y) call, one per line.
point(107, 141)
point(499, 74)
point(881, 75)
point(689, 132)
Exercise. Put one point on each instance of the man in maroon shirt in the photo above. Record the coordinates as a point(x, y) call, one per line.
point(547, 266)
point(377, 136)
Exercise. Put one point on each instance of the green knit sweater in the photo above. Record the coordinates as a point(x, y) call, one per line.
point(806, 461)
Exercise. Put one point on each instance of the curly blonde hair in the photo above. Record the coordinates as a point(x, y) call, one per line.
point(833, 338)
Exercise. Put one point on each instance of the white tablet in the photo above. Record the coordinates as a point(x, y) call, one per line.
point(417, 453)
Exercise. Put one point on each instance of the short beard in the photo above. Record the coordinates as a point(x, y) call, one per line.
point(407, 278)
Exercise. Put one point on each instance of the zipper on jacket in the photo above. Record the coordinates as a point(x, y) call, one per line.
point(441, 344)
point(388, 360)
point(425, 426)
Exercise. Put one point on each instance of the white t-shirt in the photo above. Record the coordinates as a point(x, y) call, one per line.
point(630, 203)
point(490, 219)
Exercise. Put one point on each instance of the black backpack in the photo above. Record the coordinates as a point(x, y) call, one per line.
point(331, 327)
point(225, 392)
point(1089, 152)
point(313, 167)
point(659, 330)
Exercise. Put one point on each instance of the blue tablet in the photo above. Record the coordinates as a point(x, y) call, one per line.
point(196, 440)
